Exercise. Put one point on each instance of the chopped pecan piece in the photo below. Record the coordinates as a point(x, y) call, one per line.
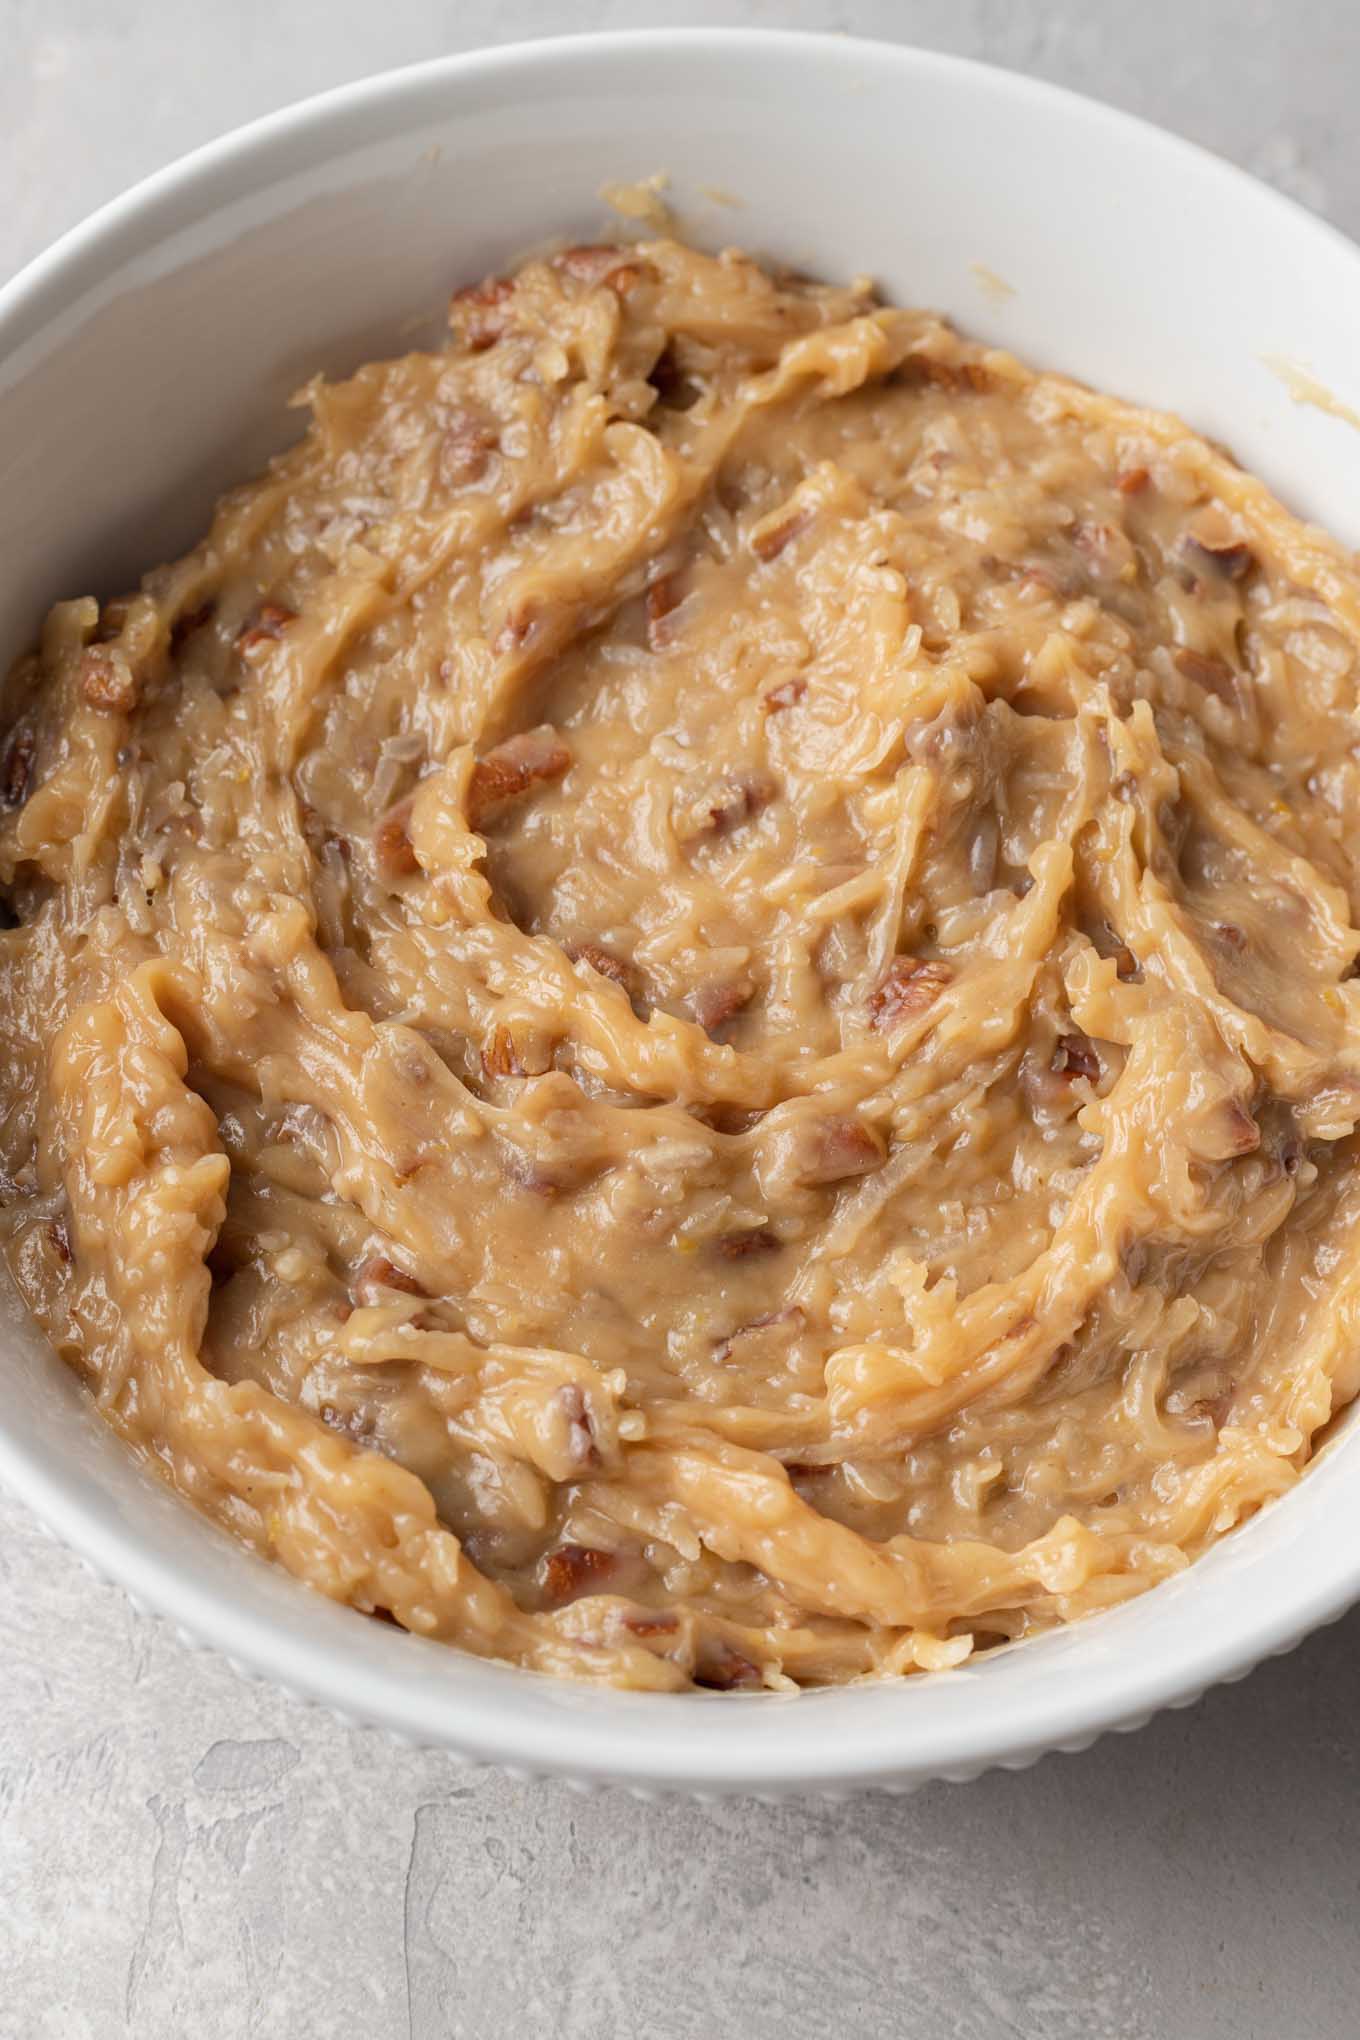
point(910, 985)
point(478, 312)
point(1212, 541)
point(1207, 671)
point(927, 369)
point(392, 844)
point(719, 1001)
point(1131, 481)
point(1108, 942)
point(265, 628)
point(786, 695)
point(107, 681)
point(581, 1440)
point(612, 967)
point(1213, 1409)
point(378, 1273)
point(647, 1622)
point(600, 264)
point(533, 758)
point(1225, 1133)
point(498, 1057)
point(736, 800)
point(663, 597)
point(576, 1569)
point(1075, 1056)
point(517, 629)
point(786, 1324)
point(832, 1149)
point(16, 774)
point(725, 1670)
point(754, 1239)
point(468, 445)
point(1241, 1134)
point(60, 1235)
point(769, 539)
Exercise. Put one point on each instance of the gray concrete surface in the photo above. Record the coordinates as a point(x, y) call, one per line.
point(183, 1857)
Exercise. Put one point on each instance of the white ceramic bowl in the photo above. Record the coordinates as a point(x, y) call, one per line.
point(144, 364)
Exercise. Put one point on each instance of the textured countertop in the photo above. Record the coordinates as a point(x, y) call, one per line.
point(185, 1857)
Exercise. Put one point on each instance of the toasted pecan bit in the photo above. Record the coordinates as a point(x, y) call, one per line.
point(581, 1440)
point(737, 799)
point(786, 695)
point(1242, 1136)
point(754, 1239)
point(725, 1670)
point(378, 1273)
point(911, 984)
point(392, 844)
point(833, 1149)
point(184, 626)
point(263, 629)
point(918, 370)
point(663, 597)
point(1207, 671)
point(533, 758)
point(467, 446)
point(1232, 561)
point(1213, 1409)
point(600, 264)
point(1106, 548)
point(107, 681)
point(719, 1001)
point(613, 967)
point(498, 1057)
point(785, 1324)
point(478, 313)
point(646, 1622)
point(769, 539)
point(1131, 481)
point(576, 1569)
point(517, 629)
point(16, 774)
point(1212, 541)
point(1075, 1056)
point(60, 1235)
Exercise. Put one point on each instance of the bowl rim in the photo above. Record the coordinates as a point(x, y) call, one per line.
point(601, 1735)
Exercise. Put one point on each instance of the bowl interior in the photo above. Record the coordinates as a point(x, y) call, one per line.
point(146, 363)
